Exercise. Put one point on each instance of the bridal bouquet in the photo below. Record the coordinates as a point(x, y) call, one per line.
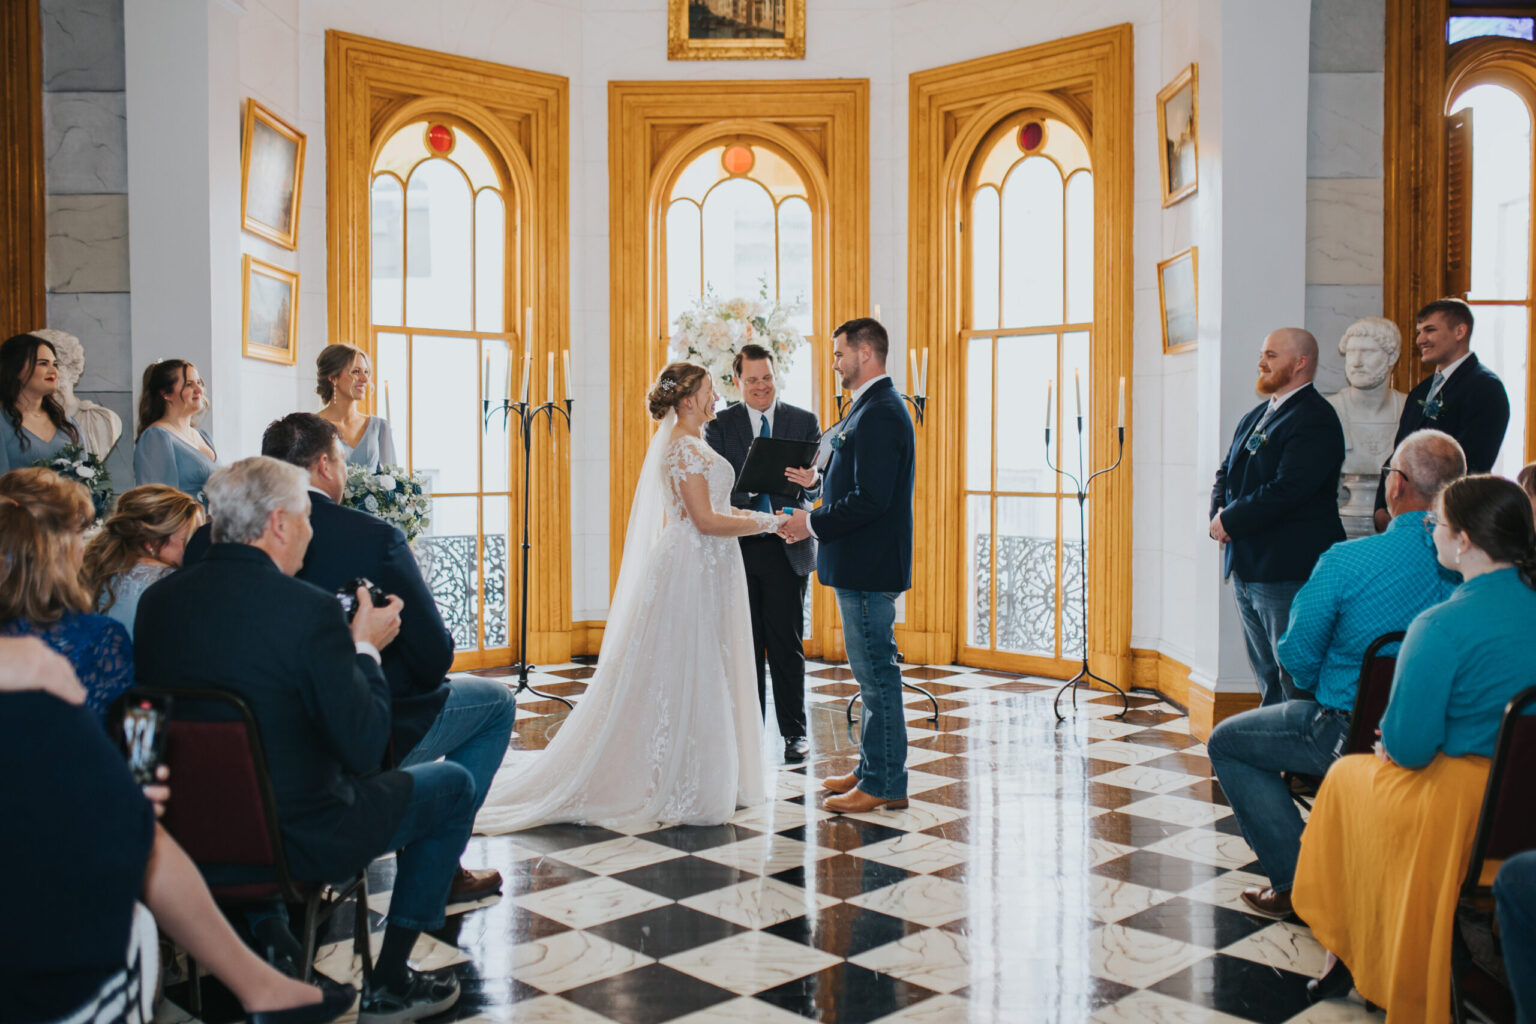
point(86, 468)
point(392, 494)
point(713, 331)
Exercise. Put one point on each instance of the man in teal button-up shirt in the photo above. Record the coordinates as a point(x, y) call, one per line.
point(1358, 590)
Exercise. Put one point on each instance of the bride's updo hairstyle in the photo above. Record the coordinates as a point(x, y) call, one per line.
point(677, 382)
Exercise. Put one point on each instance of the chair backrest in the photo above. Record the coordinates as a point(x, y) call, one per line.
point(222, 809)
point(1506, 826)
point(1371, 693)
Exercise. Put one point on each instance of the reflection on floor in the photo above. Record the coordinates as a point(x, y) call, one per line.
point(1082, 872)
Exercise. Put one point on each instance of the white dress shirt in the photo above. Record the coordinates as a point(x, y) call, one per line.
point(756, 417)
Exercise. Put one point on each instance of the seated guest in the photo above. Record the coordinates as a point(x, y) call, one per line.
point(1390, 835)
point(1358, 590)
point(1514, 891)
point(142, 541)
point(78, 938)
point(42, 526)
point(168, 449)
point(237, 621)
point(341, 380)
point(35, 426)
point(468, 721)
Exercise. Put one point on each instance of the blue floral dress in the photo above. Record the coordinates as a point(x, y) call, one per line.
point(97, 647)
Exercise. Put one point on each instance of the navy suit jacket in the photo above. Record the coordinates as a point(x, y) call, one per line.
point(1280, 503)
point(730, 434)
point(1474, 409)
point(235, 622)
point(348, 544)
point(865, 520)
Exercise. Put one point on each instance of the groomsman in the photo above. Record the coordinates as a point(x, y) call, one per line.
point(865, 529)
point(1462, 397)
point(777, 571)
point(1275, 502)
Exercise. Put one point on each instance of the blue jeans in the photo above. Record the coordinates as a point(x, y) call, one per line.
point(869, 634)
point(430, 839)
point(1515, 892)
point(1266, 611)
point(472, 730)
point(1250, 750)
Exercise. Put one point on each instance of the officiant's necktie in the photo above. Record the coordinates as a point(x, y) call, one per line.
point(764, 502)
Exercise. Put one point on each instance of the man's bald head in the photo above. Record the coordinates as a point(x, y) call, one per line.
point(1287, 360)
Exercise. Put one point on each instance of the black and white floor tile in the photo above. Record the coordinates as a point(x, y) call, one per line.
point(1087, 871)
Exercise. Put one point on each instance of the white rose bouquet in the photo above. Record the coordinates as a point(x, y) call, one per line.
point(712, 332)
point(84, 467)
point(393, 495)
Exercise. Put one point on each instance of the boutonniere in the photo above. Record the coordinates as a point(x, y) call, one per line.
point(1432, 407)
point(839, 439)
point(1256, 440)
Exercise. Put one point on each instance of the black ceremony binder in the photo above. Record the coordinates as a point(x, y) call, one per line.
point(767, 459)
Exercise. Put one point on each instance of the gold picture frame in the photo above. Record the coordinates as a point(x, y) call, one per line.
point(701, 30)
point(1178, 287)
point(271, 176)
point(269, 311)
point(1178, 134)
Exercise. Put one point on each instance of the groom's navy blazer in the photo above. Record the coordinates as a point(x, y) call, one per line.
point(1280, 502)
point(865, 520)
point(730, 434)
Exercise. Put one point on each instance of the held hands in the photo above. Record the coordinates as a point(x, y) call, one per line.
point(801, 477)
point(377, 626)
point(795, 528)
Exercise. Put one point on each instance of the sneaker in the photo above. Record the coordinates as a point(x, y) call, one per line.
point(426, 993)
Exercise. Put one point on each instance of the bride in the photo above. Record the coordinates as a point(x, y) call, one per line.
point(669, 729)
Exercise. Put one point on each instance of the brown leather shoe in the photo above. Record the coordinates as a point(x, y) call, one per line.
point(840, 783)
point(858, 801)
point(471, 885)
point(1267, 903)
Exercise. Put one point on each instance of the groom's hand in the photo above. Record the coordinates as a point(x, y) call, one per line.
point(796, 528)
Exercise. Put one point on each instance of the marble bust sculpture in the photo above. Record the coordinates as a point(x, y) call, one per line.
point(1369, 409)
point(100, 427)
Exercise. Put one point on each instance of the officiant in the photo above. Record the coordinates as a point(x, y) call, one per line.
point(777, 572)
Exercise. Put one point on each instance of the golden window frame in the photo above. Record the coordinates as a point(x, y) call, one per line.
point(682, 46)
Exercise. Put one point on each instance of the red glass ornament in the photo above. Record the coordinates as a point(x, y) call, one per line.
point(440, 139)
point(737, 160)
point(1031, 135)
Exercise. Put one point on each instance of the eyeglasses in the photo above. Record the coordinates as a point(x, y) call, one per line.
point(1387, 471)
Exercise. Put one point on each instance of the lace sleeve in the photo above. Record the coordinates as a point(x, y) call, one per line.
point(684, 459)
point(107, 670)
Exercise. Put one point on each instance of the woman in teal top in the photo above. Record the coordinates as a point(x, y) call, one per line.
point(34, 426)
point(169, 449)
point(342, 376)
point(1463, 659)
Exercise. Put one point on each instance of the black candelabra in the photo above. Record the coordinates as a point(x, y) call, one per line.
point(526, 415)
point(1080, 484)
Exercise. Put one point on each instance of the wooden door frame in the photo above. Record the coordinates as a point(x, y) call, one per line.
point(23, 202)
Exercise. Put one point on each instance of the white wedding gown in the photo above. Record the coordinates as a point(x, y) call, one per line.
point(669, 730)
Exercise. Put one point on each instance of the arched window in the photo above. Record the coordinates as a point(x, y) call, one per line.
point(441, 246)
point(738, 225)
point(1028, 318)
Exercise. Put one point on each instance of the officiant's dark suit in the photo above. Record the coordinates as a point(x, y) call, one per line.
point(777, 572)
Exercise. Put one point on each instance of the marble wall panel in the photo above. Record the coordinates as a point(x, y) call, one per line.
point(1344, 125)
point(85, 142)
point(1349, 35)
point(1330, 309)
point(83, 45)
point(100, 321)
point(1344, 224)
point(87, 243)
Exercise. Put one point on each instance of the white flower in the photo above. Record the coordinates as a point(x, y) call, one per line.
point(384, 482)
point(86, 472)
point(371, 503)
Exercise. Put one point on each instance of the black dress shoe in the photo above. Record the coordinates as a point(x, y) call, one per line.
point(338, 999)
point(1336, 984)
point(796, 749)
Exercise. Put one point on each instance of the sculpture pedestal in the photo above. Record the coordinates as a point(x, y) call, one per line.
point(1357, 503)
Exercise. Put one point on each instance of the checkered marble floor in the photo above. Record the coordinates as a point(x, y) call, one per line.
point(1083, 872)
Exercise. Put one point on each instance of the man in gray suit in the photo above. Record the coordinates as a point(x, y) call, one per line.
point(776, 571)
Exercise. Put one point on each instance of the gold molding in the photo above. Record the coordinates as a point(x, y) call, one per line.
point(680, 46)
point(23, 206)
point(1190, 76)
point(255, 112)
point(251, 265)
point(653, 129)
point(1086, 79)
point(1193, 252)
point(372, 87)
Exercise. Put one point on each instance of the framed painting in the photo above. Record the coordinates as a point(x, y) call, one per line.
point(1178, 128)
point(271, 173)
point(1177, 279)
point(735, 29)
point(269, 311)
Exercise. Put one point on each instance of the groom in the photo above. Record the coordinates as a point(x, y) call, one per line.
point(865, 528)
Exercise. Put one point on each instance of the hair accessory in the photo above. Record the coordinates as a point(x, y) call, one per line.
point(667, 384)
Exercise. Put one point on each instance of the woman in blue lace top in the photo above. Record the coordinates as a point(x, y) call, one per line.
point(42, 524)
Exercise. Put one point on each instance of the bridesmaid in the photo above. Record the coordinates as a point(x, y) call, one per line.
point(38, 428)
point(170, 450)
point(342, 374)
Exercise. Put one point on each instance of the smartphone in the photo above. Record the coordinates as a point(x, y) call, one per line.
point(144, 732)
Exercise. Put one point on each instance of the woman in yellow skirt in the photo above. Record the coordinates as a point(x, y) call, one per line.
point(1390, 836)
